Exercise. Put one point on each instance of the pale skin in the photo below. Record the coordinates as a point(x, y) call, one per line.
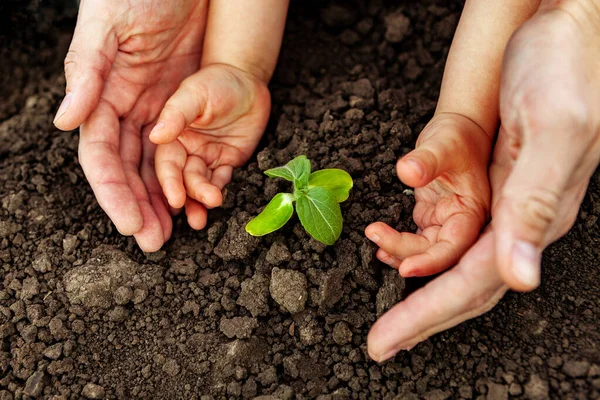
point(547, 148)
point(127, 60)
point(201, 79)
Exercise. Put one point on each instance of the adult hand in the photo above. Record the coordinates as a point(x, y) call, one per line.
point(124, 62)
point(549, 106)
point(547, 149)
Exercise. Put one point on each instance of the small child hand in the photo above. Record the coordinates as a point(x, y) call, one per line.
point(211, 125)
point(448, 168)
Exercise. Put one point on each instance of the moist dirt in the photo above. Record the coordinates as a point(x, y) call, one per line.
point(218, 314)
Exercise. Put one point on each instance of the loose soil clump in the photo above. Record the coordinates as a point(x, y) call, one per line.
point(219, 314)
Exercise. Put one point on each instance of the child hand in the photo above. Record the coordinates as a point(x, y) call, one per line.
point(211, 125)
point(448, 168)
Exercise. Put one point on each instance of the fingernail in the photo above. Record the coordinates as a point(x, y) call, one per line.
point(526, 263)
point(417, 166)
point(374, 237)
point(64, 106)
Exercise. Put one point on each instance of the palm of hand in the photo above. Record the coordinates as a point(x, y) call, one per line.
point(452, 197)
point(139, 63)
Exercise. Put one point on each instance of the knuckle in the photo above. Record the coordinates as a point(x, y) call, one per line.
point(70, 63)
point(539, 208)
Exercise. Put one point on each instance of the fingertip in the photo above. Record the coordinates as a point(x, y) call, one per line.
point(196, 214)
point(520, 268)
point(149, 246)
point(411, 171)
point(211, 197)
point(131, 226)
point(165, 132)
point(122, 208)
point(60, 122)
point(377, 348)
point(374, 231)
point(175, 196)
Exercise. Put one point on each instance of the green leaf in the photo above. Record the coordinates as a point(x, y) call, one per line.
point(320, 214)
point(274, 216)
point(297, 171)
point(337, 181)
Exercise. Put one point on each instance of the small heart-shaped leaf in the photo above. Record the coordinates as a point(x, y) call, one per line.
point(297, 171)
point(337, 181)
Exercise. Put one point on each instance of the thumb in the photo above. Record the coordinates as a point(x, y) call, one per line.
point(448, 142)
point(530, 206)
point(88, 62)
point(209, 99)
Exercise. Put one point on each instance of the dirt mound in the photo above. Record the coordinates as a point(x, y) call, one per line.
point(84, 313)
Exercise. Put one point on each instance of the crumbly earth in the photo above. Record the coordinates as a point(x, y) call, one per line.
point(84, 313)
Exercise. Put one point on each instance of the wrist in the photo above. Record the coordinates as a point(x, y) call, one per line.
point(257, 72)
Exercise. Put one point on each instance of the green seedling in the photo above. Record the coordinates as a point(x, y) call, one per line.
point(317, 198)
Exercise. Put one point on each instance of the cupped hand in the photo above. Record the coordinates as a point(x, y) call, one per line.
point(547, 149)
point(549, 102)
point(448, 168)
point(125, 60)
point(211, 125)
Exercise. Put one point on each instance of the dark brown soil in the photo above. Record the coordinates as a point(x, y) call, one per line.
point(83, 312)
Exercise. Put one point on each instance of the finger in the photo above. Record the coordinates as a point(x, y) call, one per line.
point(157, 198)
point(185, 105)
point(470, 289)
point(221, 176)
point(388, 259)
point(100, 160)
point(150, 237)
point(169, 163)
point(529, 206)
point(433, 156)
point(211, 98)
point(454, 238)
point(448, 142)
point(196, 214)
point(87, 64)
point(197, 184)
point(397, 244)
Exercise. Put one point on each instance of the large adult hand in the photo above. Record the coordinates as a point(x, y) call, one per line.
point(549, 106)
point(125, 60)
point(547, 148)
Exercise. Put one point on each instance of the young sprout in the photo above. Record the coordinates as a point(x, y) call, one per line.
point(317, 198)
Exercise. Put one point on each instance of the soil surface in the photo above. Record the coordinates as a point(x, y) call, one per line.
point(218, 314)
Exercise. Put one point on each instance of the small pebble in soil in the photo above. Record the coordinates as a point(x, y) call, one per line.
point(342, 333)
point(254, 295)
point(93, 391)
point(536, 388)
point(289, 289)
point(34, 384)
point(278, 253)
point(123, 295)
point(396, 27)
point(170, 367)
point(240, 327)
